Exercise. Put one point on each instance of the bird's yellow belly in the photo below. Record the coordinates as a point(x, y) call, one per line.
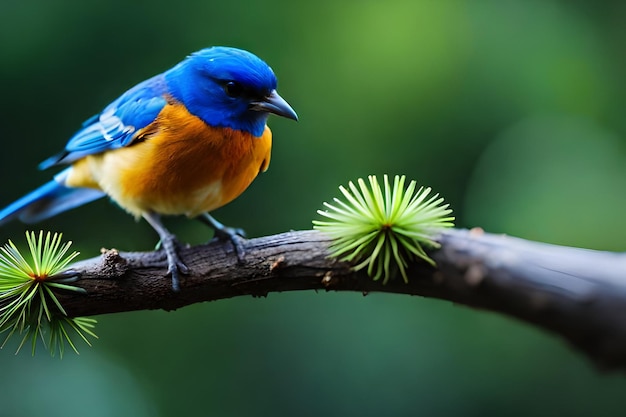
point(189, 170)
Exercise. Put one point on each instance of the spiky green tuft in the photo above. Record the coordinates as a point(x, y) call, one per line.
point(384, 230)
point(29, 307)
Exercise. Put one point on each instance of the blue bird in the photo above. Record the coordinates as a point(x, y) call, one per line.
point(184, 142)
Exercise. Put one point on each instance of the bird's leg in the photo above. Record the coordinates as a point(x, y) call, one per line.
point(169, 244)
point(235, 235)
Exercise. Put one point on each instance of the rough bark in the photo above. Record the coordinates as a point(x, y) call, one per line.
point(577, 294)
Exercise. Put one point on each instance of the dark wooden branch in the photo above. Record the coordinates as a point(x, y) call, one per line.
point(575, 293)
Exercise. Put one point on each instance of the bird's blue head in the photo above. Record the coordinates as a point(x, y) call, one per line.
point(228, 87)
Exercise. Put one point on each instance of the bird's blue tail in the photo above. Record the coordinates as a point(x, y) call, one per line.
point(46, 201)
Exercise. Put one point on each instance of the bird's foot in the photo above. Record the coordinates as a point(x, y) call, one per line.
point(175, 265)
point(236, 236)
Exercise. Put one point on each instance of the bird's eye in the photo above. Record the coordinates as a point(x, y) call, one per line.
point(233, 89)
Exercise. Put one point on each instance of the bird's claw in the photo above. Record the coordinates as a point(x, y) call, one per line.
point(175, 265)
point(174, 269)
point(228, 233)
point(236, 236)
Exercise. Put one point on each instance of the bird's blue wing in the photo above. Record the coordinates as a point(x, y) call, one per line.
point(117, 125)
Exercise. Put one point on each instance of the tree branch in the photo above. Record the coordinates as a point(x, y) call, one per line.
point(577, 294)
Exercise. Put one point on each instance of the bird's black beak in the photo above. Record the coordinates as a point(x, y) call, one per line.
point(274, 104)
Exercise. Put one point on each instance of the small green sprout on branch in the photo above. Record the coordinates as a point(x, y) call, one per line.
point(29, 307)
point(384, 230)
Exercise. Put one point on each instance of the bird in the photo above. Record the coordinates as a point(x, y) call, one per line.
point(184, 142)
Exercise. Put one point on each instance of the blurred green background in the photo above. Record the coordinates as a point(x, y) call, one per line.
point(513, 110)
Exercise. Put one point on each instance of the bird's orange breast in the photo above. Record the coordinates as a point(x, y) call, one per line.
point(177, 165)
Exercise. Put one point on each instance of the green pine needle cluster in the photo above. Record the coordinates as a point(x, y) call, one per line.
point(29, 307)
point(383, 229)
